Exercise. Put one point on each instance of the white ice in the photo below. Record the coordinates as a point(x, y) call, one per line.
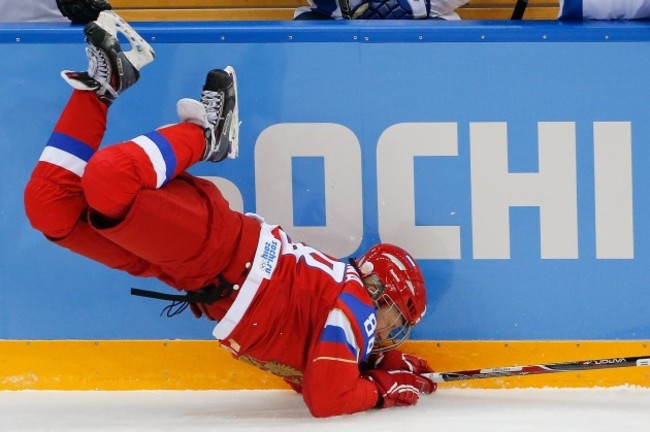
point(574, 410)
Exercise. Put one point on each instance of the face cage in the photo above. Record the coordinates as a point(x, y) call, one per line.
point(398, 332)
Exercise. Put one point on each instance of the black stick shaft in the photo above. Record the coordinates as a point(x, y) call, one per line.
point(520, 8)
point(581, 365)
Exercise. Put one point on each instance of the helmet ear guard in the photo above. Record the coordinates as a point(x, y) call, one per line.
point(371, 281)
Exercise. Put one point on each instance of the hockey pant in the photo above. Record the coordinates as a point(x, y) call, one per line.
point(131, 206)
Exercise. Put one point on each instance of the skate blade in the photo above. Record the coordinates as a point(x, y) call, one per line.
point(141, 53)
point(233, 136)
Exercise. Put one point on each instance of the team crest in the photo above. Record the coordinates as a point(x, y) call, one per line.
point(289, 373)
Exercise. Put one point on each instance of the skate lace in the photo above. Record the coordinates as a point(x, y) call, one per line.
point(213, 105)
point(98, 67)
point(174, 308)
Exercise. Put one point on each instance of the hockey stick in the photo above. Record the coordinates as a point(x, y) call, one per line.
point(582, 365)
point(520, 8)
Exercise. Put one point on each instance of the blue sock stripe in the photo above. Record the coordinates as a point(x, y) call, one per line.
point(71, 145)
point(166, 151)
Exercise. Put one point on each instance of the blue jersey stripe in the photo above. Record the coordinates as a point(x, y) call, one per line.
point(71, 145)
point(166, 151)
point(361, 312)
point(337, 335)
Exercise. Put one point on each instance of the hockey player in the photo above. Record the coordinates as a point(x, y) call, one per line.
point(328, 327)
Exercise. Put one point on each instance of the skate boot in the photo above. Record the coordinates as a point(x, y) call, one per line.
point(110, 70)
point(217, 113)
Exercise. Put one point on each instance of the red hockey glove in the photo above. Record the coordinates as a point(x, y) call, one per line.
point(399, 388)
point(397, 360)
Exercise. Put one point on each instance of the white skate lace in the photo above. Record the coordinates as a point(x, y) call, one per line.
point(98, 68)
point(213, 106)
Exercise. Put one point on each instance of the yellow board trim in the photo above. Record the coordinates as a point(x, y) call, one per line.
point(450, 356)
point(203, 365)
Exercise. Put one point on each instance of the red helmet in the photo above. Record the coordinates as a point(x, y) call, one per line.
point(394, 280)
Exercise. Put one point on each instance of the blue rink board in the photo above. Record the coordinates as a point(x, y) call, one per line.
point(404, 106)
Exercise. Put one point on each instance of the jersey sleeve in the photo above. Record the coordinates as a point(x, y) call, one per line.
point(332, 382)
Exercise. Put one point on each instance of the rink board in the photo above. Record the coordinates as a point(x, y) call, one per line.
point(509, 158)
point(203, 365)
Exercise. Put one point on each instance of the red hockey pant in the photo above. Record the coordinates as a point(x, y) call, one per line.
point(131, 206)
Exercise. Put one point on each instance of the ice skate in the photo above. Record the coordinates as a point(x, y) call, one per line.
point(217, 113)
point(110, 70)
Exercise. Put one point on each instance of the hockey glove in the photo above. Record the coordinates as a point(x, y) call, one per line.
point(396, 9)
point(397, 360)
point(399, 388)
point(82, 11)
point(350, 9)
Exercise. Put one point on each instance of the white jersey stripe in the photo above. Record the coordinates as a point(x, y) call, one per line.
point(264, 263)
point(337, 318)
point(155, 156)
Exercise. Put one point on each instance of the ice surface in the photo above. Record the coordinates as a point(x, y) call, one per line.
point(574, 410)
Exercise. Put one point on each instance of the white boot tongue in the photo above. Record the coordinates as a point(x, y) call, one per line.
point(72, 78)
point(192, 111)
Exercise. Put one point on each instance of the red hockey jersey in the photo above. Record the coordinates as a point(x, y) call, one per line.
point(307, 318)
